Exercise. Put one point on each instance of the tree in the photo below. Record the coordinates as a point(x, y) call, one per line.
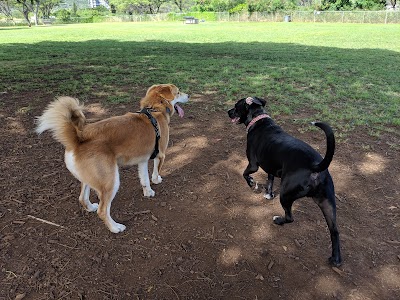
point(26, 6)
point(203, 5)
point(179, 3)
point(74, 9)
point(370, 4)
point(6, 7)
point(47, 6)
point(138, 6)
point(154, 5)
point(64, 15)
point(337, 4)
point(266, 5)
point(34, 6)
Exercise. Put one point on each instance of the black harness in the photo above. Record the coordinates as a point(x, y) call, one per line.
point(153, 121)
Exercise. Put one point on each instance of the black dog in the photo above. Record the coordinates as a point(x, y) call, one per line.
point(302, 170)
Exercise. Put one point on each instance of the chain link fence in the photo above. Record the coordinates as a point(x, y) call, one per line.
point(377, 17)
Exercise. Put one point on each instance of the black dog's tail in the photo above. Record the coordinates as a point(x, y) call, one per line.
point(330, 147)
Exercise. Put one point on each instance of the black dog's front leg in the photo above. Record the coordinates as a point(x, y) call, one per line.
point(251, 168)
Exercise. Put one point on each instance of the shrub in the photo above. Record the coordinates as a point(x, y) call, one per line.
point(238, 8)
point(64, 15)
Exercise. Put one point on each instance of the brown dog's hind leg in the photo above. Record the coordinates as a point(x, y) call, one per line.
point(143, 168)
point(106, 194)
point(158, 162)
point(84, 198)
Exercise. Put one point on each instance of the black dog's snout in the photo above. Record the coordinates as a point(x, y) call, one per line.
point(231, 113)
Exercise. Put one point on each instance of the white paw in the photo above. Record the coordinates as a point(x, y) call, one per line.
point(92, 207)
point(148, 192)
point(156, 179)
point(268, 196)
point(275, 217)
point(116, 227)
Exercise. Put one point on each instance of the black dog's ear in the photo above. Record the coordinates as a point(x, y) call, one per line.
point(259, 101)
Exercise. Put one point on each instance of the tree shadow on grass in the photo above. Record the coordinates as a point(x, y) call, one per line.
point(346, 86)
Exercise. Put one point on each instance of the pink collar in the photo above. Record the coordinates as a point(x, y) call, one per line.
point(258, 118)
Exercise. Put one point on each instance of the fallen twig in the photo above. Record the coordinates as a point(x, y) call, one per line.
point(339, 198)
point(45, 221)
point(48, 175)
point(167, 285)
point(142, 212)
point(67, 294)
point(18, 201)
point(9, 273)
point(69, 247)
point(393, 242)
point(337, 270)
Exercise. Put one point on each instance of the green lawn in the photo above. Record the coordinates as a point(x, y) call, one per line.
point(346, 74)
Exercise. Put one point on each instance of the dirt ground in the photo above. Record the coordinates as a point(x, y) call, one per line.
point(204, 235)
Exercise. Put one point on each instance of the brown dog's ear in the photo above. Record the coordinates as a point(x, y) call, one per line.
point(150, 89)
point(166, 92)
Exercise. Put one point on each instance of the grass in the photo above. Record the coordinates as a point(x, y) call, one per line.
point(346, 74)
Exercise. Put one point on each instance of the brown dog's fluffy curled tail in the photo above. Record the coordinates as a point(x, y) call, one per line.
point(65, 119)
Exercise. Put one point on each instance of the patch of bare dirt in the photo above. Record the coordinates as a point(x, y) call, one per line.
point(205, 235)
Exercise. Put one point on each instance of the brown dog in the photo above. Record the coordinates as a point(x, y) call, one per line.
point(93, 152)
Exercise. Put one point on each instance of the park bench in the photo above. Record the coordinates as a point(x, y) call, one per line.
point(190, 20)
point(47, 21)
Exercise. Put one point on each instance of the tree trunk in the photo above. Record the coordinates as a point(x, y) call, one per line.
point(36, 13)
point(26, 9)
point(179, 3)
point(5, 8)
point(26, 15)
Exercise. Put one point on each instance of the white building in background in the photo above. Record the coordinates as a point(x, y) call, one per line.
point(82, 4)
point(97, 3)
point(389, 4)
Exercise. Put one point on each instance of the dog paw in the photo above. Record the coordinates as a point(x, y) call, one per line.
point(335, 262)
point(257, 188)
point(148, 192)
point(278, 220)
point(250, 181)
point(156, 179)
point(269, 196)
point(92, 207)
point(116, 227)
